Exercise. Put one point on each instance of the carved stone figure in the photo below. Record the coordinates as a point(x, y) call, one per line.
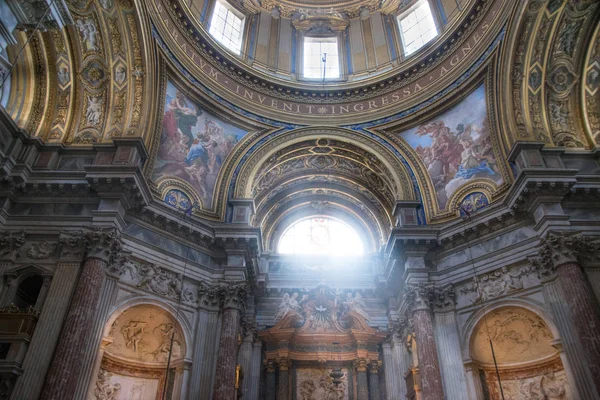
point(94, 110)
point(357, 305)
point(133, 331)
point(89, 32)
point(163, 333)
point(288, 304)
point(105, 390)
point(41, 250)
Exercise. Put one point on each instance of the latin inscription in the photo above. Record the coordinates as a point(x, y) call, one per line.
point(354, 108)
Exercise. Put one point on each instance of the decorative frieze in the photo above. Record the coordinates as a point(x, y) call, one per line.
point(497, 283)
point(159, 280)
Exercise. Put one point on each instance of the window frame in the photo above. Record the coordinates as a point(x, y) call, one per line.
point(350, 227)
point(239, 14)
point(404, 14)
point(300, 56)
point(321, 39)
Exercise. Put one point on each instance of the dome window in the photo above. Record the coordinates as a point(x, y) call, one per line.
point(320, 235)
point(227, 26)
point(320, 58)
point(417, 27)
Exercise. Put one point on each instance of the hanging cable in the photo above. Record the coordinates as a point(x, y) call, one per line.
point(482, 302)
point(187, 252)
point(35, 29)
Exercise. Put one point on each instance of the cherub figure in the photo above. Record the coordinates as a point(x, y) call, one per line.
point(88, 30)
point(93, 111)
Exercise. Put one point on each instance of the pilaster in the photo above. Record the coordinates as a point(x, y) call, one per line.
point(362, 384)
point(46, 335)
point(448, 343)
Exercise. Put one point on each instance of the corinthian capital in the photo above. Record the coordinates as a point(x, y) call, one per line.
point(444, 298)
point(104, 244)
point(208, 296)
point(419, 297)
point(71, 245)
point(560, 247)
point(234, 295)
point(10, 244)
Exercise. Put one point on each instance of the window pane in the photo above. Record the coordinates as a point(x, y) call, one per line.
point(417, 27)
point(320, 236)
point(226, 27)
point(314, 53)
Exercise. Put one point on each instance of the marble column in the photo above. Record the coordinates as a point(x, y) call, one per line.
point(234, 301)
point(283, 386)
point(390, 371)
point(61, 381)
point(374, 380)
point(429, 366)
point(585, 311)
point(577, 368)
point(92, 344)
point(43, 342)
point(271, 382)
point(362, 385)
point(450, 356)
point(255, 369)
point(558, 257)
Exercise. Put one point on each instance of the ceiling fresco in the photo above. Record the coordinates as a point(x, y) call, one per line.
point(456, 146)
point(193, 145)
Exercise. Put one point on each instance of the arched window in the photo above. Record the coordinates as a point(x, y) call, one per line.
point(320, 235)
point(28, 292)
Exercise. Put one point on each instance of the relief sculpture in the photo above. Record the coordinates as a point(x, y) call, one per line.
point(316, 384)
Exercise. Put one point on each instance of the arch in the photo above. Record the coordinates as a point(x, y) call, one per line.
point(523, 355)
point(475, 318)
point(136, 300)
point(260, 155)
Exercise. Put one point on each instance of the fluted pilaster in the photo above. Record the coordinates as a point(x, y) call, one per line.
point(362, 383)
point(43, 342)
point(374, 381)
point(283, 386)
point(61, 380)
point(90, 349)
point(391, 373)
point(577, 369)
point(255, 368)
point(102, 247)
point(270, 382)
point(559, 254)
point(245, 360)
point(401, 360)
point(449, 351)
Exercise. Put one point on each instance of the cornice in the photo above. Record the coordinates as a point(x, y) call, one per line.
point(270, 85)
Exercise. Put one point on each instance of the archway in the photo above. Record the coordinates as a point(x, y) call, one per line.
point(135, 355)
point(529, 365)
